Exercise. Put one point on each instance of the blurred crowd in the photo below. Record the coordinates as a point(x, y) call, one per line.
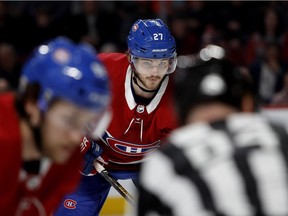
point(254, 34)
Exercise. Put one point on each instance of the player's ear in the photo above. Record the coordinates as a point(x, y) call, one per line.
point(33, 112)
point(128, 56)
point(248, 103)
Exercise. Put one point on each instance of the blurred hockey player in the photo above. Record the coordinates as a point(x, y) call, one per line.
point(142, 109)
point(225, 159)
point(64, 93)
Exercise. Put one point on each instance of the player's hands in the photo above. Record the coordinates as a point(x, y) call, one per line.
point(91, 151)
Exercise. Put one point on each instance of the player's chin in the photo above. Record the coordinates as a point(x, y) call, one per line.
point(153, 80)
point(152, 84)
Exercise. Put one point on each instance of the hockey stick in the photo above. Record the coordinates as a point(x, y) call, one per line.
point(113, 182)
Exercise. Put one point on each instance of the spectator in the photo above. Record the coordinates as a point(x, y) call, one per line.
point(281, 97)
point(267, 73)
point(92, 25)
point(187, 42)
point(9, 66)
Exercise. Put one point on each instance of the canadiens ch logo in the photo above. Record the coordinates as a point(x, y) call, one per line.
point(70, 204)
point(131, 149)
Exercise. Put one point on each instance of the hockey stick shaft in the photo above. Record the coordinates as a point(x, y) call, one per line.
point(114, 183)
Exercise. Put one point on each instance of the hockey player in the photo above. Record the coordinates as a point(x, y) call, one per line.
point(224, 159)
point(64, 88)
point(142, 109)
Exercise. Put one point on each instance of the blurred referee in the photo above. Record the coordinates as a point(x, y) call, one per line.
point(225, 159)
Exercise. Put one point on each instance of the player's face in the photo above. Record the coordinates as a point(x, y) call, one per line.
point(151, 71)
point(62, 130)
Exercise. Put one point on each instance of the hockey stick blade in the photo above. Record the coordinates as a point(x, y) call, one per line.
point(114, 183)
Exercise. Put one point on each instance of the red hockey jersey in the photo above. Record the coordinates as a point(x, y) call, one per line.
point(10, 159)
point(22, 194)
point(135, 129)
point(41, 194)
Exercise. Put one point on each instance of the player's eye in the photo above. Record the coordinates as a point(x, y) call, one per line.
point(147, 63)
point(163, 64)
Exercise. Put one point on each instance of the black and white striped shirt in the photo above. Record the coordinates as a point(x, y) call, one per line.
point(236, 167)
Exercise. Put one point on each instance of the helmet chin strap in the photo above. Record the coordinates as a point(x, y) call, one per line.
point(36, 131)
point(37, 136)
point(135, 77)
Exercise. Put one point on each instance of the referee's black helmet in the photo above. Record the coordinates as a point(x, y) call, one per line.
point(208, 77)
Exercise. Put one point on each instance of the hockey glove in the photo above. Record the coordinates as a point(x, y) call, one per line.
point(91, 151)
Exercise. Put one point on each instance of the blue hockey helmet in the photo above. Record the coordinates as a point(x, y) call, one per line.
point(67, 71)
point(151, 39)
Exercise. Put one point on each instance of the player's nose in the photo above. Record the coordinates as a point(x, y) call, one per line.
point(155, 70)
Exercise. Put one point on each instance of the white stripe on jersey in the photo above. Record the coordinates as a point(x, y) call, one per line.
point(208, 148)
point(224, 181)
point(268, 165)
point(269, 170)
point(250, 130)
point(171, 190)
